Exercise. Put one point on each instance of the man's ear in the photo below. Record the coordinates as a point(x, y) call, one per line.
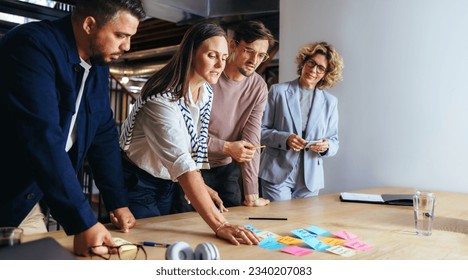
point(232, 45)
point(89, 24)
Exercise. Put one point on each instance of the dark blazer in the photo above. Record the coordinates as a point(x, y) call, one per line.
point(40, 77)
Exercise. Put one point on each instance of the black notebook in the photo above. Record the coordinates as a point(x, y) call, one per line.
point(392, 199)
point(42, 249)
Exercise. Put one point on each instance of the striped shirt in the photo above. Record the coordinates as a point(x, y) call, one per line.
point(167, 138)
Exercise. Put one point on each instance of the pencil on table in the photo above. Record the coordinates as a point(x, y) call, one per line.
point(258, 147)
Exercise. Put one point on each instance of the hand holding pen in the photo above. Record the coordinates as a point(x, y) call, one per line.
point(239, 151)
point(257, 147)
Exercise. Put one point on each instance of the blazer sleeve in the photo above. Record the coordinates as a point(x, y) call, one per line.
point(272, 137)
point(105, 159)
point(332, 130)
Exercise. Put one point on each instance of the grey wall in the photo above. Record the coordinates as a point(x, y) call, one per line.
point(403, 102)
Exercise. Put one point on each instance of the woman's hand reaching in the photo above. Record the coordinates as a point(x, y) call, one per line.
point(237, 234)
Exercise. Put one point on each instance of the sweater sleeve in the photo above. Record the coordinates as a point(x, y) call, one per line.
point(251, 133)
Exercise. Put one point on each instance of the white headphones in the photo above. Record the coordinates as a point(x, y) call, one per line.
point(182, 251)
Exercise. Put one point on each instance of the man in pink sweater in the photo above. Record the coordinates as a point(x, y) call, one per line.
point(234, 131)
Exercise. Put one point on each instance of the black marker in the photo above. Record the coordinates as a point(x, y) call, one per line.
point(265, 218)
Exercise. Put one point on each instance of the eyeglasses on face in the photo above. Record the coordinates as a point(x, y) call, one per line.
point(121, 252)
point(251, 52)
point(312, 64)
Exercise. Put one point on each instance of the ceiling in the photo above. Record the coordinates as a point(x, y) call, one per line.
point(160, 33)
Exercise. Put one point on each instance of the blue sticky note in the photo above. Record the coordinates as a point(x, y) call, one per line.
point(302, 233)
point(252, 228)
point(316, 244)
point(318, 231)
point(310, 239)
point(271, 244)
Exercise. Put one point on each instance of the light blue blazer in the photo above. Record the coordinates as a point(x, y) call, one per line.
point(281, 118)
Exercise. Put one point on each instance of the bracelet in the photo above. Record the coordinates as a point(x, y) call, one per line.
point(220, 226)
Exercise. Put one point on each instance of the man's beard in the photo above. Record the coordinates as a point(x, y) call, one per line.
point(98, 57)
point(98, 60)
point(245, 73)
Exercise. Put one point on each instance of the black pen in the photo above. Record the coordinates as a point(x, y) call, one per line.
point(155, 244)
point(265, 218)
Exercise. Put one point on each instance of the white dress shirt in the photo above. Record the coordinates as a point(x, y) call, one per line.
point(72, 131)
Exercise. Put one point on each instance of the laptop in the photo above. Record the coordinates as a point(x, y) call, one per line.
point(41, 249)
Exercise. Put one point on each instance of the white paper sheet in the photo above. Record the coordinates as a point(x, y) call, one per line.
point(362, 197)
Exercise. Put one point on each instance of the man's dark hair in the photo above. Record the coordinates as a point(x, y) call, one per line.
point(252, 30)
point(105, 10)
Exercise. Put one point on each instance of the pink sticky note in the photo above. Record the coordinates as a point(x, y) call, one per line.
point(345, 235)
point(358, 245)
point(297, 251)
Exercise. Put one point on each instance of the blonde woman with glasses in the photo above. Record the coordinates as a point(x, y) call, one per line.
point(300, 126)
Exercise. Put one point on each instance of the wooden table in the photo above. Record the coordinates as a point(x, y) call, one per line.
point(389, 229)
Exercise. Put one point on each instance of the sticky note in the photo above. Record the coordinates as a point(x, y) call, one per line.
point(120, 241)
point(345, 235)
point(318, 231)
point(358, 245)
point(302, 233)
point(289, 240)
point(315, 244)
point(267, 233)
point(252, 228)
point(342, 251)
point(270, 243)
point(310, 239)
point(296, 250)
point(332, 241)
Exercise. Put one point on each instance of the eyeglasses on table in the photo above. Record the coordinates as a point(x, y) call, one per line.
point(121, 252)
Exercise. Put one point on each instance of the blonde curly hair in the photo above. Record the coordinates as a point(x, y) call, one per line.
point(333, 75)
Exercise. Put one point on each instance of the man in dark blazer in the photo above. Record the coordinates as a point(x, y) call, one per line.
point(54, 104)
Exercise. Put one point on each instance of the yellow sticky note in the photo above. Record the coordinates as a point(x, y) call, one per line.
point(289, 240)
point(332, 241)
point(120, 241)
